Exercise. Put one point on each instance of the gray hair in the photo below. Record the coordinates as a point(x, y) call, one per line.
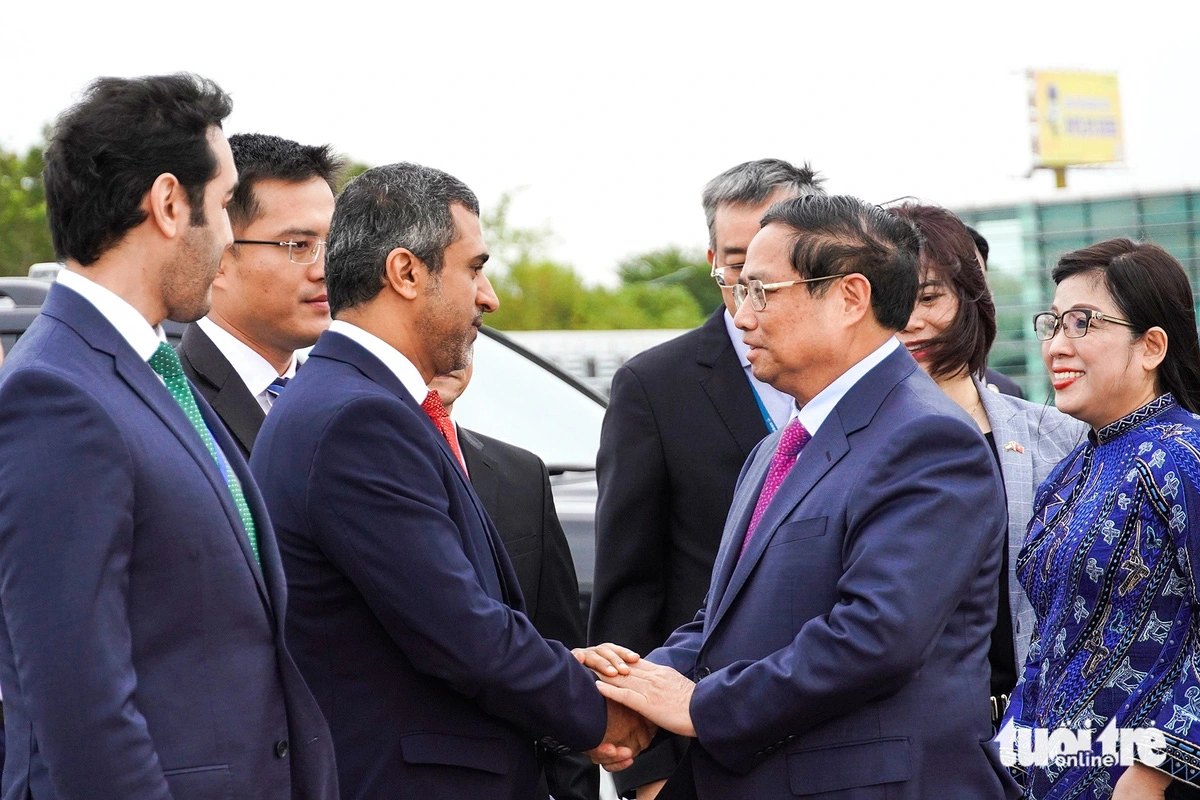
point(753, 182)
point(397, 205)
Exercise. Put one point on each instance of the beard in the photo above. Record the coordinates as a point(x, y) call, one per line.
point(450, 339)
point(187, 278)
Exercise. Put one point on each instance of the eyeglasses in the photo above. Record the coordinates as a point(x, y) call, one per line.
point(1074, 323)
point(757, 290)
point(303, 252)
point(718, 274)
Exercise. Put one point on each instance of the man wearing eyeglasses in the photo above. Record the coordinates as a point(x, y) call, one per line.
point(682, 418)
point(268, 299)
point(842, 648)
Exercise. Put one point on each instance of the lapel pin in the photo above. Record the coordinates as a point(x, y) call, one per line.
point(1014, 447)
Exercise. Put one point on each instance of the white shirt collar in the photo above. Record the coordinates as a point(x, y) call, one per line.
point(128, 321)
point(392, 358)
point(816, 410)
point(777, 404)
point(254, 370)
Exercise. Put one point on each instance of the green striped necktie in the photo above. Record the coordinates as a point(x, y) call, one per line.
point(166, 363)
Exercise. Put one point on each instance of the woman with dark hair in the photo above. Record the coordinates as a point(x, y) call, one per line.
point(1111, 557)
point(950, 332)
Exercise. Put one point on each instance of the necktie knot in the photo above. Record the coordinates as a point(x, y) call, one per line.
point(432, 405)
point(276, 386)
point(791, 442)
point(166, 362)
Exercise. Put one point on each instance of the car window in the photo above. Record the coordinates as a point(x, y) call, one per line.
point(518, 401)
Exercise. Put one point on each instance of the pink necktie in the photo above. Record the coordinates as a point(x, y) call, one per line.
point(437, 412)
point(791, 442)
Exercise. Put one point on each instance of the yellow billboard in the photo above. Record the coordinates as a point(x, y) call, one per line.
point(1076, 117)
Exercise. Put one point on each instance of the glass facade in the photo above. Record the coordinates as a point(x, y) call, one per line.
point(1026, 241)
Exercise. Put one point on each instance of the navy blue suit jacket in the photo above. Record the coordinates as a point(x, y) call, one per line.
point(141, 646)
point(405, 615)
point(845, 654)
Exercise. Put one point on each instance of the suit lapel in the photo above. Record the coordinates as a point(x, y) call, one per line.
point(855, 410)
point(1016, 471)
point(726, 384)
point(816, 459)
point(341, 348)
point(238, 409)
point(82, 316)
point(483, 470)
point(740, 512)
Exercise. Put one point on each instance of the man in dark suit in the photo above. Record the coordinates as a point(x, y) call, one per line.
point(268, 298)
point(681, 420)
point(405, 614)
point(141, 647)
point(514, 487)
point(842, 651)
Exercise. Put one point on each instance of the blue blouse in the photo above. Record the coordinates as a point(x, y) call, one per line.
point(1109, 564)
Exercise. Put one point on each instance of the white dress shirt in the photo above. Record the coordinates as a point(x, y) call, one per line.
point(392, 358)
point(779, 405)
point(816, 410)
point(254, 370)
point(128, 321)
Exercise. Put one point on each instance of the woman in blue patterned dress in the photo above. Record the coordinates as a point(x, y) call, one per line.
point(1111, 557)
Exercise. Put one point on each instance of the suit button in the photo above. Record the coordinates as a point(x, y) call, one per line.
point(281, 748)
point(703, 673)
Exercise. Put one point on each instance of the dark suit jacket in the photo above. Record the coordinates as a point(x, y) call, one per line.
point(845, 654)
point(514, 486)
point(405, 615)
point(215, 378)
point(1003, 383)
point(681, 421)
point(141, 647)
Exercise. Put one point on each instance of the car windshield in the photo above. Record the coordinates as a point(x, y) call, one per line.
point(518, 401)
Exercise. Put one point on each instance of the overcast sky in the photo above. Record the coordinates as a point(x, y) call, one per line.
point(609, 117)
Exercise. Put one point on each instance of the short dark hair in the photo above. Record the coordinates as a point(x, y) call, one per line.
point(106, 151)
point(841, 235)
point(261, 157)
point(948, 256)
point(397, 205)
point(1150, 289)
point(981, 244)
point(751, 183)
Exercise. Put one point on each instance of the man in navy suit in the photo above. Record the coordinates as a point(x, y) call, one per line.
point(141, 645)
point(842, 648)
point(405, 613)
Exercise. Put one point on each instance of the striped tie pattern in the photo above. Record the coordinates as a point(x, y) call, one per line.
point(166, 363)
point(276, 386)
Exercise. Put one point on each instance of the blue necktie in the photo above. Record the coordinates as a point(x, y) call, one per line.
point(276, 387)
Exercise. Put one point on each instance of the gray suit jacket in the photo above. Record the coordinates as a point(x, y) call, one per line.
point(1031, 439)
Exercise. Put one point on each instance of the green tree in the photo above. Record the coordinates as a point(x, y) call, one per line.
point(538, 293)
point(352, 170)
point(674, 266)
point(24, 233)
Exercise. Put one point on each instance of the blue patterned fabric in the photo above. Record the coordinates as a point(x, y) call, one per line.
point(1109, 566)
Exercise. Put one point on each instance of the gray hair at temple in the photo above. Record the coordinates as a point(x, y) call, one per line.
point(394, 206)
point(753, 182)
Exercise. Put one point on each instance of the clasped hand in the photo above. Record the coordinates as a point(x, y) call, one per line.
point(642, 697)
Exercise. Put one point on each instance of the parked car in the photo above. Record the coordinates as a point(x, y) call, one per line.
point(515, 396)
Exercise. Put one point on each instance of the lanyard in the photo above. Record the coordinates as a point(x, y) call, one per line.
point(762, 409)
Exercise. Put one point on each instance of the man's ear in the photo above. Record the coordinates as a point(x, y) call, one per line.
point(404, 273)
point(1154, 348)
point(166, 205)
point(855, 292)
point(711, 256)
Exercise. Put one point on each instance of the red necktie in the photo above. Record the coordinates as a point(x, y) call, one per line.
point(791, 442)
point(441, 418)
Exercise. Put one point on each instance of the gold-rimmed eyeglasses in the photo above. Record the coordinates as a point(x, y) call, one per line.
point(718, 275)
point(302, 251)
point(1074, 322)
point(757, 290)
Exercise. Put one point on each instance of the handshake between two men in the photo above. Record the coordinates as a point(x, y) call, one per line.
point(642, 697)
